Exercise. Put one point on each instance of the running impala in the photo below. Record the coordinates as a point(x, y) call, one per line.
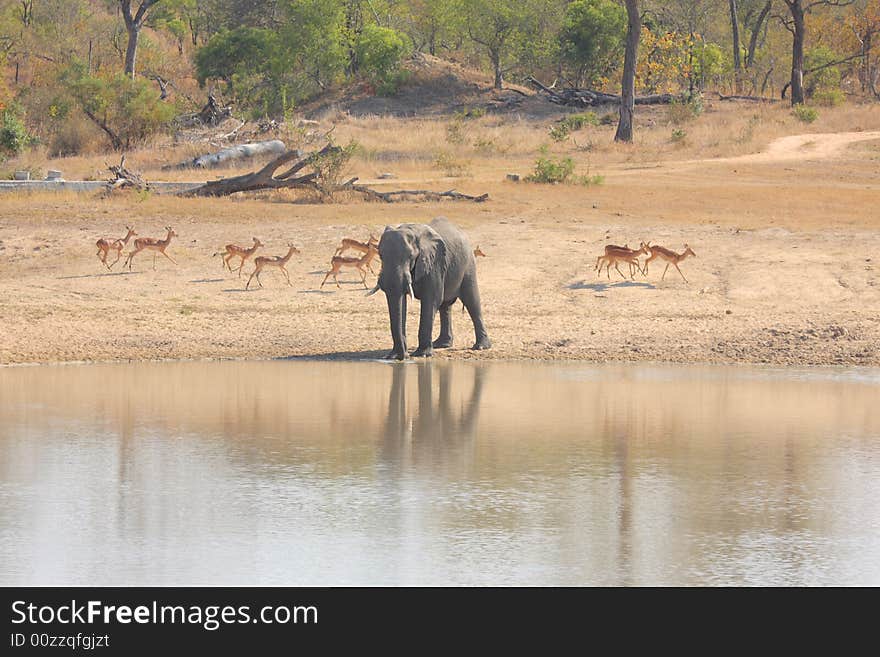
point(671, 258)
point(107, 244)
point(272, 261)
point(234, 251)
point(152, 244)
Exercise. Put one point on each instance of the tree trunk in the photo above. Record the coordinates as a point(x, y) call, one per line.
point(737, 61)
point(133, 24)
point(628, 85)
point(134, 33)
point(756, 32)
point(495, 56)
point(797, 52)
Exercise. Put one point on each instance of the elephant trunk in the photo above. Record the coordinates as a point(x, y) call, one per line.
point(397, 313)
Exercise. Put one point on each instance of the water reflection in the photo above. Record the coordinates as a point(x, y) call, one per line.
point(375, 473)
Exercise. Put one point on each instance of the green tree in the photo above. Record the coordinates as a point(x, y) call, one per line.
point(429, 22)
point(127, 110)
point(592, 39)
point(268, 70)
point(503, 28)
point(379, 53)
point(239, 53)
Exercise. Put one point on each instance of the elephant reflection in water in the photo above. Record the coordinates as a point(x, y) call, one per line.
point(437, 428)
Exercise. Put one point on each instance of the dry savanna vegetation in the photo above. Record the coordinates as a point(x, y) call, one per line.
point(785, 233)
point(776, 200)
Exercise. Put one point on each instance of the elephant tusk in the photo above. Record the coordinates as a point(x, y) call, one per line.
point(373, 291)
point(411, 293)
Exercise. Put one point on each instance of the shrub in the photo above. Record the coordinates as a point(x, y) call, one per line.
point(14, 137)
point(484, 145)
point(748, 131)
point(556, 171)
point(824, 80)
point(331, 166)
point(379, 51)
point(829, 97)
point(451, 165)
point(577, 121)
point(74, 136)
point(682, 111)
point(805, 114)
point(127, 110)
point(471, 113)
point(678, 135)
point(608, 119)
point(456, 133)
point(549, 170)
point(559, 132)
point(572, 123)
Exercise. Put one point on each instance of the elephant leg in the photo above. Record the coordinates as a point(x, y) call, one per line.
point(445, 339)
point(470, 297)
point(426, 327)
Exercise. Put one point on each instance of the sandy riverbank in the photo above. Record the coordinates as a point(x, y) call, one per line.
point(786, 269)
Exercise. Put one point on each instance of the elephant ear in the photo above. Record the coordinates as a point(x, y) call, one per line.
point(432, 254)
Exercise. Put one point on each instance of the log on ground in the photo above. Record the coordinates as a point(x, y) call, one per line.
point(231, 154)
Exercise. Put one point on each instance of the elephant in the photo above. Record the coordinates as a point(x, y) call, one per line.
point(435, 264)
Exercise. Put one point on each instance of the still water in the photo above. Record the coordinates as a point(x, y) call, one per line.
point(326, 473)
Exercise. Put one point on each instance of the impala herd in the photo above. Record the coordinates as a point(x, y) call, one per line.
point(369, 250)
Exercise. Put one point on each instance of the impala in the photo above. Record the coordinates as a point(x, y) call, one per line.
point(363, 247)
point(615, 255)
point(105, 245)
point(152, 244)
point(272, 261)
point(338, 262)
point(234, 251)
point(671, 258)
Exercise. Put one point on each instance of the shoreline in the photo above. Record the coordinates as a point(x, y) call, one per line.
point(785, 273)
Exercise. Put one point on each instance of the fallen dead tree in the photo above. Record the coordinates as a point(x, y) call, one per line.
point(752, 99)
point(321, 179)
point(265, 178)
point(573, 97)
point(231, 154)
point(390, 197)
point(124, 178)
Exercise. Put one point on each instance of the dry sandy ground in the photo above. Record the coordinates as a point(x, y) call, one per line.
point(787, 273)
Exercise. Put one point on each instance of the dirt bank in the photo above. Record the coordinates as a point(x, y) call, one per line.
point(785, 273)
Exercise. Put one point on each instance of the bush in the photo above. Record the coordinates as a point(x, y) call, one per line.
point(14, 137)
point(74, 136)
point(484, 145)
point(127, 110)
point(608, 119)
point(549, 170)
point(331, 166)
point(577, 121)
point(572, 123)
point(829, 97)
point(379, 51)
point(555, 171)
point(456, 133)
point(450, 165)
point(559, 132)
point(678, 136)
point(805, 114)
point(824, 80)
point(683, 111)
point(471, 113)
